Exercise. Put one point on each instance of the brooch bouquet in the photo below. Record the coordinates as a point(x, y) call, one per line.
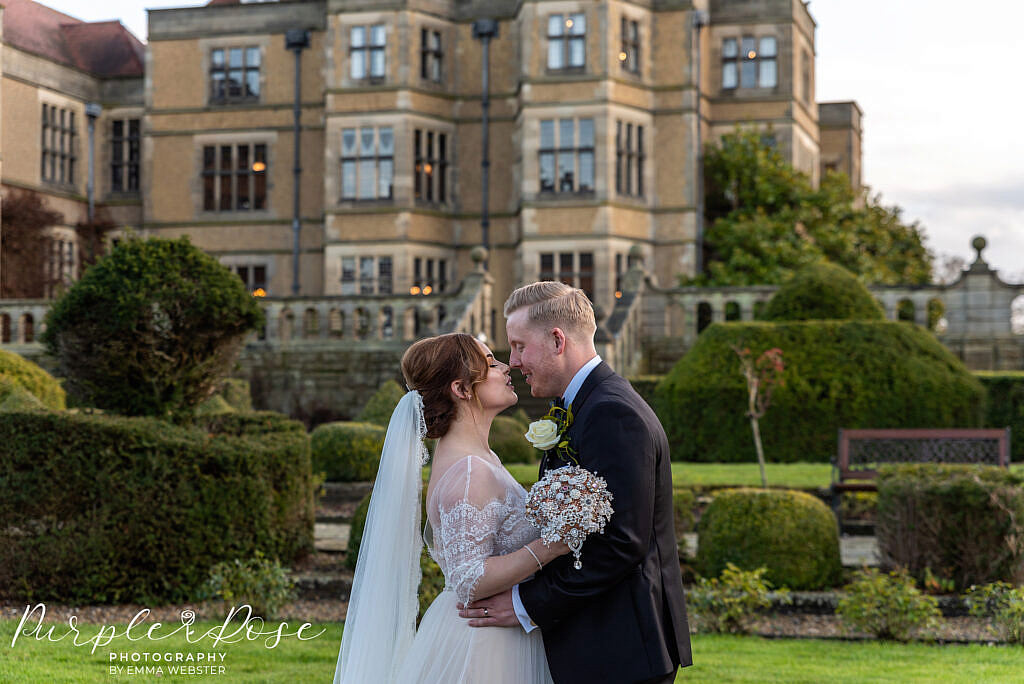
point(568, 504)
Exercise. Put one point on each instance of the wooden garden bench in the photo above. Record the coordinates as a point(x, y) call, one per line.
point(862, 451)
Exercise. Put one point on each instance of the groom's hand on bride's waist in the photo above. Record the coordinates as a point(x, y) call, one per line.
point(493, 611)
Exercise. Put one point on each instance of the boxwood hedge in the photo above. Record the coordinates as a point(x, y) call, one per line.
point(111, 509)
point(823, 291)
point(961, 522)
point(1005, 406)
point(347, 452)
point(839, 374)
point(792, 534)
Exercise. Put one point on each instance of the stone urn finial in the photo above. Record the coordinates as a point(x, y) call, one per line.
point(979, 266)
point(479, 256)
point(979, 243)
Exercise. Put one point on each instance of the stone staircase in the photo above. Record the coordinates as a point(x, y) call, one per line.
point(324, 575)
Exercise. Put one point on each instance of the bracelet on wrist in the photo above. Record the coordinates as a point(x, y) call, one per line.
point(540, 566)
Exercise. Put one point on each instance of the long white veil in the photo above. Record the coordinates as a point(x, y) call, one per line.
point(381, 621)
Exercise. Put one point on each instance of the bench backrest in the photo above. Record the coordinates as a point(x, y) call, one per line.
point(861, 451)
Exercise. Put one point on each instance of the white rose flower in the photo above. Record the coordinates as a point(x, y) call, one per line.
point(543, 434)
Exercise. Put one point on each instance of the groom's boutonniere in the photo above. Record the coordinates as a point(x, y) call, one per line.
point(549, 434)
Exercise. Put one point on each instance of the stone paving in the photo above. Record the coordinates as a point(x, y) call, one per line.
point(855, 551)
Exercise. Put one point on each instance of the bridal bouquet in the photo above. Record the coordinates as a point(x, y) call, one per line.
point(567, 504)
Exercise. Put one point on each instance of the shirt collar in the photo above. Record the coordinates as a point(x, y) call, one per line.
point(578, 379)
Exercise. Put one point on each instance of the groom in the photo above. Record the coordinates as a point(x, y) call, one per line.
point(622, 618)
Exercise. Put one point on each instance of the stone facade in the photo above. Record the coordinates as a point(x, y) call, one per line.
point(53, 66)
point(593, 123)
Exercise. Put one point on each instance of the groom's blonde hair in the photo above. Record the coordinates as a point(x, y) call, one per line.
point(557, 305)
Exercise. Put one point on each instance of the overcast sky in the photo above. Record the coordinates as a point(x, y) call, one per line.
point(942, 107)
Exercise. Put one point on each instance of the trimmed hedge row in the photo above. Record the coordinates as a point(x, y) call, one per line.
point(792, 534)
point(347, 452)
point(111, 509)
point(34, 379)
point(823, 291)
point(1005, 406)
point(849, 374)
point(961, 522)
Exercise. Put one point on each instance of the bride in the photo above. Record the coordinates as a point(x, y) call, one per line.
point(475, 530)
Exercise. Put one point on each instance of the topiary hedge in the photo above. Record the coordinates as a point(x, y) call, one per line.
point(347, 452)
point(823, 291)
point(1005, 406)
point(839, 374)
point(34, 379)
point(382, 404)
point(792, 534)
point(110, 509)
point(962, 522)
point(249, 423)
point(152, 328)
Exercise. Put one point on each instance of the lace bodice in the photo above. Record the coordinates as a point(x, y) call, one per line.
point(476, 509)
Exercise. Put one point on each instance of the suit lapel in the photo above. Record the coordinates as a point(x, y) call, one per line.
point(600, 373)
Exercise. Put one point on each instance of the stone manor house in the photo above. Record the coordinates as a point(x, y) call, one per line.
point(598, 112)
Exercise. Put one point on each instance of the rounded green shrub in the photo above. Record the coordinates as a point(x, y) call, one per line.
point(34, 379)
point(823, 291)
point(839, 374)
point(792, 534)
point(382, 404)
point(347, 452)
point(109, 509)
point(150, 329)
point(508, 440)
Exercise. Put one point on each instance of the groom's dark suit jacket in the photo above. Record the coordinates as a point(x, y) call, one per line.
point(622, 618)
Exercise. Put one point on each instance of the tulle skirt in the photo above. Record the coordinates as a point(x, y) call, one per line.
point(447, 650)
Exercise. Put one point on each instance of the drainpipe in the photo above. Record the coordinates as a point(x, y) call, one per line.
point(700, 20)
point(297, 40)
point(484, 30)
point(92, 112)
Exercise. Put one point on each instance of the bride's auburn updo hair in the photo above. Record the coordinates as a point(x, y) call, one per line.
point(431, 365)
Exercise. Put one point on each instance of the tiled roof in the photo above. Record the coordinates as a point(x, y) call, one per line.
point(101, 48)
point(105, 48)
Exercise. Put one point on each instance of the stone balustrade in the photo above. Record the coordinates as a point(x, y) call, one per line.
point(650, 326)
point(381, 319)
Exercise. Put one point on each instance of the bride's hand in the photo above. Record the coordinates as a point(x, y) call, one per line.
point(558, 548)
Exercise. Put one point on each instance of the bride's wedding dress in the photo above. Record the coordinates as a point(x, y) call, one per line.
point(475, 510)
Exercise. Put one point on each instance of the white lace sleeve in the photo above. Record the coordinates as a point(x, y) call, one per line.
point(471, 506)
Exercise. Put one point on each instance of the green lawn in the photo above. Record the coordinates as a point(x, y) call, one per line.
point(791, 661)
point(794, 475)
point(799, 475)
point(718, 659)
point(43, 662)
